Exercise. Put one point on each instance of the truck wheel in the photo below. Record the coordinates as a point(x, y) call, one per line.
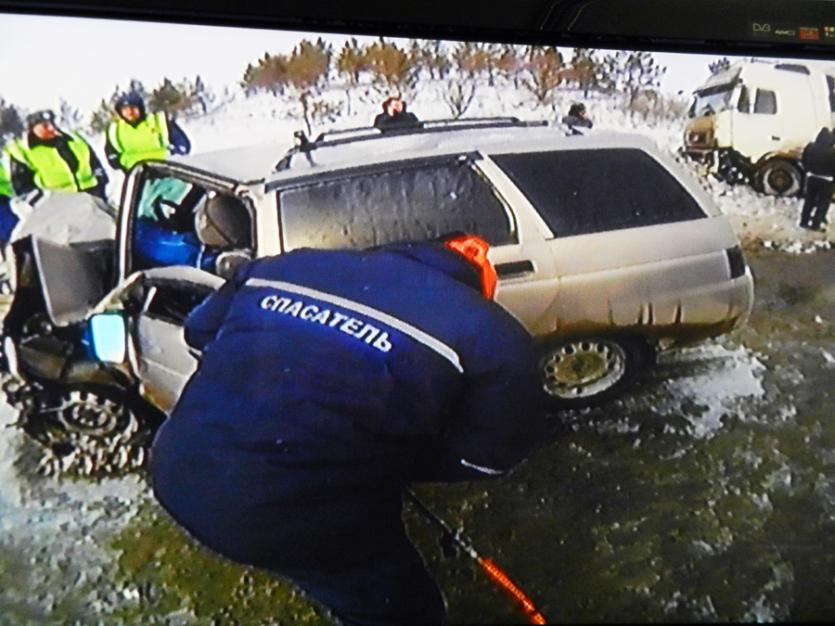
point(588, 370)
point(85, 430)
point(779, 177)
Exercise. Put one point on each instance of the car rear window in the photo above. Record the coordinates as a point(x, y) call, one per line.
point(587, 191)
point(411, 202)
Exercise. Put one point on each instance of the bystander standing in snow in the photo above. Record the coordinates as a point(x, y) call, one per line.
point(819, 162)
point(394, 115)
point(50, 159)
point(577, 118)
point(136, 135)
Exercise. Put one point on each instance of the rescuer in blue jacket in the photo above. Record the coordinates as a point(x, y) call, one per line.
point(330, 380)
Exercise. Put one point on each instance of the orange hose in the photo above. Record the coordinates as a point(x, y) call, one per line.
point(494, 572)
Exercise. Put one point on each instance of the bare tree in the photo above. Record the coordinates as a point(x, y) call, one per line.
point(543, 73)
point(459, 95)
point(11, 121)
point(469, 63)
point(171, 98)
point(104, 114)
point(430, 55)
point(352, 64)
point(509, 63)
point(200, 94)
point(268, 74)
point(393, 70)
point(101, 117)
point(68, 116)
point(632, 73)
point(301, 77)
point(585, 70)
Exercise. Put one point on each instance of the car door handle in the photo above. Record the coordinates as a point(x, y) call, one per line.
point(773, 138)
point(516, 268)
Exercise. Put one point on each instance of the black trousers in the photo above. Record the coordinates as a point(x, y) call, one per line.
point(349, 553)
point(390, 587)
point(816, 202)
point(331, 525)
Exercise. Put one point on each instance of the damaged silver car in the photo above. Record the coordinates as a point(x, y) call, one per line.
point(606, 250)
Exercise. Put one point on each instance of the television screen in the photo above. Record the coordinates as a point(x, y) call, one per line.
point(656, 221)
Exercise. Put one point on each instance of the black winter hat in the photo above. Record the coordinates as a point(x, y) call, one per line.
point(40, 116)
point(129, 99)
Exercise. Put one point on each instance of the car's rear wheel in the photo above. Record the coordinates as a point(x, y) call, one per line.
point(587, 370)
point(84, 430)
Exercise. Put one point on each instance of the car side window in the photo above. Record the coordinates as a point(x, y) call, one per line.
point(766, 102)
point(177, 222)
point(587, 191)
point(412, 202)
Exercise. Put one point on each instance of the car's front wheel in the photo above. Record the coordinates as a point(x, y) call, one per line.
point(587, 370)
point(84, 430)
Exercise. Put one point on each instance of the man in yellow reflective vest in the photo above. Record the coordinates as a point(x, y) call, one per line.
point(49, 159)
point(136, 136)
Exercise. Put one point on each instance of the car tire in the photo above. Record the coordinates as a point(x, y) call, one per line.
point(585, 371)
point(779, 177)
point(85, 430)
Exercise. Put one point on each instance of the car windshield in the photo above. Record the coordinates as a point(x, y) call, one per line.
point(712, 100)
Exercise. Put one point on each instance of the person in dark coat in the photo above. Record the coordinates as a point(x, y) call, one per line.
point(394, 115)
point(577, 118)
point(329, 381)
point(135, 135)
point(50, 159)
point(819, 162)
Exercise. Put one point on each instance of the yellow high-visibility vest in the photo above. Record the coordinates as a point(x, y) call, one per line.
point(147, 141)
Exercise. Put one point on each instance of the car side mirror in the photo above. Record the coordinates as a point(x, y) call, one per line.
point(109, 337)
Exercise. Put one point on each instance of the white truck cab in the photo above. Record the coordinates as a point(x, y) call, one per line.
point(756, 117)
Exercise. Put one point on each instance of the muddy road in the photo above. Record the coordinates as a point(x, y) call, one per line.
point(706, 494)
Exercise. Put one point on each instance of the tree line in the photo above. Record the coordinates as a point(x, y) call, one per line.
point(306, 77)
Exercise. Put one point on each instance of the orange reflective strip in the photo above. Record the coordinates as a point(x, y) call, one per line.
point(508, 585)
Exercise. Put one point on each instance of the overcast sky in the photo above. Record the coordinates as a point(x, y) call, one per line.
point(45, 59)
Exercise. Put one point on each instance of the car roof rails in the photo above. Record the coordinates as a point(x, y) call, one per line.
point(365, 133)
point(361, 132)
